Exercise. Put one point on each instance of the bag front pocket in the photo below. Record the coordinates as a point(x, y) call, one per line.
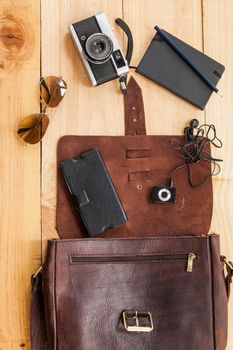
point(141, 294)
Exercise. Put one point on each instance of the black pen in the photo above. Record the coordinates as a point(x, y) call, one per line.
point(185, 58)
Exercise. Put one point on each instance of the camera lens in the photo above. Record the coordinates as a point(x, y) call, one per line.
point(164, 194)
point(99, 47)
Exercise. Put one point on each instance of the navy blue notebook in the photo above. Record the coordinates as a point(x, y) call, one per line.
point(165, 67)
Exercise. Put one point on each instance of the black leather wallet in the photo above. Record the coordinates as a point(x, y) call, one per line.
point(93, 192)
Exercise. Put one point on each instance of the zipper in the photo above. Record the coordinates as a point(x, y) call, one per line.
point(189, 257)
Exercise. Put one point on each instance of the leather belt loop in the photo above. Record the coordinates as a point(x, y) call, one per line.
point(229, 277)
point(229, 280)
point(134, 110)
point(229, 274)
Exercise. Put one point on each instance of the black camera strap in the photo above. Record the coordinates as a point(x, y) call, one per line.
point(129, 52)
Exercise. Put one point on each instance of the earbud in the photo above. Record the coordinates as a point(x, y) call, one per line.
point(188, 131)
point(194, 123)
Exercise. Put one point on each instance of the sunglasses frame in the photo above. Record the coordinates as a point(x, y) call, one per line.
point(43, 107)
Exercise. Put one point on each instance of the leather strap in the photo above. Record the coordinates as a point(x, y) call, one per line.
point(134, 110)
point(37, 316)
point(126, 29)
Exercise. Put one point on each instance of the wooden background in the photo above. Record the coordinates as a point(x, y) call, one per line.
point(34, 41)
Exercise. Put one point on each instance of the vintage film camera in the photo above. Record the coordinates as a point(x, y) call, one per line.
point(99, 49)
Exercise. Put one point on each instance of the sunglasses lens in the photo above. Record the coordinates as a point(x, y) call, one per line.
point(31, 129)
point(53, 90)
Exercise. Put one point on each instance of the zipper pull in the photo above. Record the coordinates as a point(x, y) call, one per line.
point(191, 258)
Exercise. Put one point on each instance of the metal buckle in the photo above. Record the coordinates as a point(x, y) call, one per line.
point(135, 321)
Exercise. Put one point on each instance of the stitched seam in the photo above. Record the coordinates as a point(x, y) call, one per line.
point(212, 292)
point(55, 296)
point(79, 240)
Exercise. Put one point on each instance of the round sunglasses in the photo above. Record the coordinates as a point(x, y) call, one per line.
point(32, 128)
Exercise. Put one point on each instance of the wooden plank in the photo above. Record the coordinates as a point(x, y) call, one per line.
point(85, 110)
point(20, 231)
point(218, 29)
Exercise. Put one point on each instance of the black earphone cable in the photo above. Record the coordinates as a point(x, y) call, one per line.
point(193, 150)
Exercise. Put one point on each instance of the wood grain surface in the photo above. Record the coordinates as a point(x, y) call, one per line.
point(20, 229)
point(30, 48)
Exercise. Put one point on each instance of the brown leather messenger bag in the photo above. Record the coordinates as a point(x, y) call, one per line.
point(155, 283)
